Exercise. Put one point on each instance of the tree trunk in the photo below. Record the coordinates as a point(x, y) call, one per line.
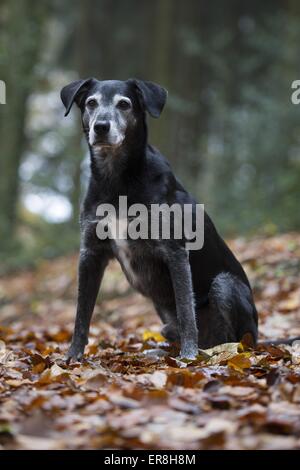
point(21, 40)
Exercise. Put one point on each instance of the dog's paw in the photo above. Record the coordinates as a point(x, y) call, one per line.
point(75, 354)
point(170, 332)
point(190, 354)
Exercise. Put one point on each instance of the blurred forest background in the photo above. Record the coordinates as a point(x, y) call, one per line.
point(229, 129)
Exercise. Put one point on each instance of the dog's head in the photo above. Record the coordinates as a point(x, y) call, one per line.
point(112, 109)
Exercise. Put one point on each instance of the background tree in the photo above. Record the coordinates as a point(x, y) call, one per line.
point(20, 46)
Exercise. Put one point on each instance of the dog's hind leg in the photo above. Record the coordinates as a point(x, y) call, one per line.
point(168, 317)
point(230, 312)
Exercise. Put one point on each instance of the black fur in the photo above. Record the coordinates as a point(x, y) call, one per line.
point(203, 297)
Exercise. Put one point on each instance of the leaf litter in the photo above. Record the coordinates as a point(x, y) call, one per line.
point(131, 391)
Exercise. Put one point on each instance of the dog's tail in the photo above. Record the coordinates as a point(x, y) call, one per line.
point(276, 342)
point(248, 341)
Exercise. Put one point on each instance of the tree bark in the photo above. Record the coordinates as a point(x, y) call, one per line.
point(21, 41)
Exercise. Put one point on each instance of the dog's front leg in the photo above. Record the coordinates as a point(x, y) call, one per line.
point(90, 273)
point(180, 271)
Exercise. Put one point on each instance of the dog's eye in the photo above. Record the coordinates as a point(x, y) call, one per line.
point(124, 105)
point(92, 103)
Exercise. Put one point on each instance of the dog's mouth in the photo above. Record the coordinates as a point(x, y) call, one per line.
point(101, 145)
point(104, 149)
point(108, 141)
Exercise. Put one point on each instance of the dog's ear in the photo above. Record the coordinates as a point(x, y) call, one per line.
point(153, 97)
point(74, 92)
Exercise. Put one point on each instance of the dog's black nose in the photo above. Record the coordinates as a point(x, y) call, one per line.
point(102, 127)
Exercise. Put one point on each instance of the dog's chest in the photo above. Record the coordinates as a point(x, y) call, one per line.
point(125, 257)
point(139, 259)
point(124, 249)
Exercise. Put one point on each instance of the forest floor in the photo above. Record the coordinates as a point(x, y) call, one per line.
point(125, 396)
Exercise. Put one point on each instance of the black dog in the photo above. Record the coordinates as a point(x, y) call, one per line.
point(204, 290)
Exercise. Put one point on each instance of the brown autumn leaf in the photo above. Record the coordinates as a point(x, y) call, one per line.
point(292, 302)
point(184, 378)
point(157, 379)
point(5, 354)
point(240, 362)
point(94, 380)
point(55, 374)
point(39, 363)
point(295, 351)
point(15, 383)
point(221, 353)
point(238, 391)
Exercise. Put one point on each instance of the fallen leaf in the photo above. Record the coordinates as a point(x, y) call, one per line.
point(240, 362)
point(154, 335)
point(55, 374)
point(221, 353)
